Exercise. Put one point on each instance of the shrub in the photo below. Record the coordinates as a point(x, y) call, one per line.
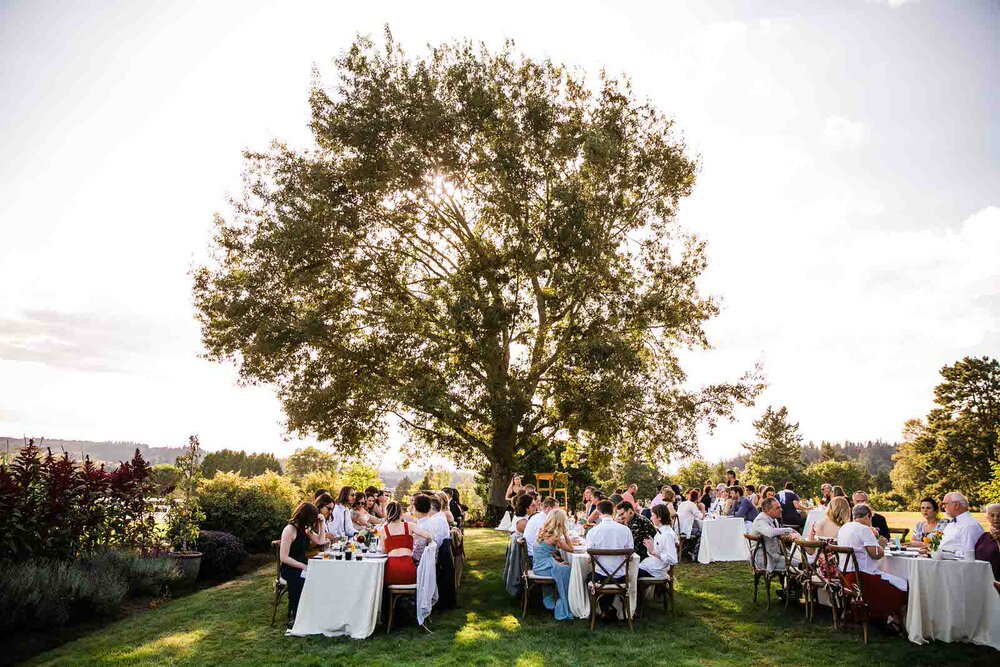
point(887, 502)
point(221, 554)
point(312, 481)
point(42, 594)
point(254, 510)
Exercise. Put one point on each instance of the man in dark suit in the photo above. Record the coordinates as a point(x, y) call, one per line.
point(878, 521)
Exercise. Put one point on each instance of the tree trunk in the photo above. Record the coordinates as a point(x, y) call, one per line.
point(496, 504)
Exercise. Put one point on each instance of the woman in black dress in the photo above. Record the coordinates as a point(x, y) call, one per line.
point(296, 539)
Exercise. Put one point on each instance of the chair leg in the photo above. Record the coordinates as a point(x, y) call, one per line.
point(628, 612)
point(756, 582)
point(593, 611)
point(864, 630)
point(525, 592)
point(767, 585)
point(392, 611)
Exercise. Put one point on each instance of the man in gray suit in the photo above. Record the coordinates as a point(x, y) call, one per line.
point(768, 527)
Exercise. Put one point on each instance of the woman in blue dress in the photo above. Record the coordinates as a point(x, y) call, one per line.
point(553, 536)
point(931, 522)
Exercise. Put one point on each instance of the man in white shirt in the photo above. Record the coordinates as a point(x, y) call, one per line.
point(768, 527)
point(609, 534)
point(340, 524)
point(535, 523)
point(962, 533)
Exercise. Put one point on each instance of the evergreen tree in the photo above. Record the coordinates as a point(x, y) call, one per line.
point(403, 489)
point(775, 457)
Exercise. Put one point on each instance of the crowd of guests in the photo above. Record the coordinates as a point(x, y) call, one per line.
point(372, 517)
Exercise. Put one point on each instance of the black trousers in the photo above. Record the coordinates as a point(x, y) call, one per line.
point(445, 576)
point(293, 577)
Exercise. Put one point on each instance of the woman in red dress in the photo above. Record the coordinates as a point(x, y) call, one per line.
point(397, 538)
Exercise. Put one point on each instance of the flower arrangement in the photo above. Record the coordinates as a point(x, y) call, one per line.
point(364, 536)
point(933, 540)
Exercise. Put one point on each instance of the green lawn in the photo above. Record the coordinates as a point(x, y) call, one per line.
point(717, 625)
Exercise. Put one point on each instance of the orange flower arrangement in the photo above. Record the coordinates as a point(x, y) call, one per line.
point(933, 540)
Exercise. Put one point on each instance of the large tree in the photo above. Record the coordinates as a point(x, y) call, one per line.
point(776, 453)
point(479, 247)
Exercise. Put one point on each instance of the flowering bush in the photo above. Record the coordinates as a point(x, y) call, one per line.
point(54, 507)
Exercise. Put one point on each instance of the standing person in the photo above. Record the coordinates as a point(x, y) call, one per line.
point(731, 479)
point(340, 519)
point(659, 498)
point(296, 538)
point(878, 521)
point(964, 531)
point(455, 506)
point(629, 495)
point(885, 594)
point(608, 534)
point(661, 549)
point(931, 521)
point(397, 542)
point(512, 489)
point(791, 508)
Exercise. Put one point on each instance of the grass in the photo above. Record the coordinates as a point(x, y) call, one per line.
point(717, 625)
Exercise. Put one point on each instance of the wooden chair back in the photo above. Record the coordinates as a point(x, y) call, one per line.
point(603, 577)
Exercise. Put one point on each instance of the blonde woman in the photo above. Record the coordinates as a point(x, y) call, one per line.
point(553, 536)
point(838, 512)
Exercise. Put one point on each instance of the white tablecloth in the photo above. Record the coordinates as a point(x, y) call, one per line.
point(722, 540)
point(340, 598)
point(579, 592)
point(951, 601)
point(814, 515)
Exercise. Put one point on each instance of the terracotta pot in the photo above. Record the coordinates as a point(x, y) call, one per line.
point(188, 564)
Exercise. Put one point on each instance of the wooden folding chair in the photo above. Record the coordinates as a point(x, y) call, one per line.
point(664, 583)
point(850, 601)
point(280, 585)
point(604, 583)
point(902, 532)
point(760, 570)
point(528, 577)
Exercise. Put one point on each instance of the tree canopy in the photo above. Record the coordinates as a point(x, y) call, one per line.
point(248, 465)
point(480, 247)
point(309, 460)
point(775, 457)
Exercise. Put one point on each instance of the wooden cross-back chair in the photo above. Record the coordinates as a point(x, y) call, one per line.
point(605, 584)
point(760, 570)
point(811, 554)
point(280, 585)
point(529, 579)
point(849, 602)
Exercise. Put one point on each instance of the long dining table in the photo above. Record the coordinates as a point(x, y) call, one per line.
point(340, 598)
point(949, 600)
point(579, 592)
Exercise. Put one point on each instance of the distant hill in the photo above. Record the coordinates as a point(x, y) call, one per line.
point(102, 452)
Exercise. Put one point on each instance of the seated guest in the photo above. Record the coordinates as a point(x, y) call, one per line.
point(421, 506)
point(397, 542)
point(791, 508)
point(608, 534)
point(640, 526)
point(768, 527)
point(296, 539)
point(629, 495)
point(530, 488)
point(826, 492)
point(962, 533)
point(340, 523)
point(838, 492)
point(661, 549)
point(719, 500)
point(828, 526)
point(437, 525)
point(670, 501)
point(988, 544)
point(689, 512)
point(706, 496)
point(885, 594)
point(324, 504)
point(878, 521)
point(930, 523)
point(731, 479)
point(552, 536)
point(445, 510)
point(595, 515)
point(534, 524)
point(589, 504)
point(751, 493)
point(743, 508)
point(525, 508)
point(615, 498)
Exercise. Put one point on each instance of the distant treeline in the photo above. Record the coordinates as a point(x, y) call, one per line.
point(109, 452)
point(875, 455)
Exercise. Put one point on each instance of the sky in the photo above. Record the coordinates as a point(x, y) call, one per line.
point(849, 192)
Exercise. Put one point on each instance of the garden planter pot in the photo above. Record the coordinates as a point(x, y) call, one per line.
point(188, 564)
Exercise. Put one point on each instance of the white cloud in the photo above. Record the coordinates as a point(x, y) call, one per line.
point(893, 3)
point(840, 132)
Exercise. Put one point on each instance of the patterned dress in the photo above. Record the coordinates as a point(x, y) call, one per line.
point(641, 528)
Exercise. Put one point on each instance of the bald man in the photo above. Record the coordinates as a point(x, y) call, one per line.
point(964, 531)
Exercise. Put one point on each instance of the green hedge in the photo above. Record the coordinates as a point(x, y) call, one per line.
point(253, 509)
